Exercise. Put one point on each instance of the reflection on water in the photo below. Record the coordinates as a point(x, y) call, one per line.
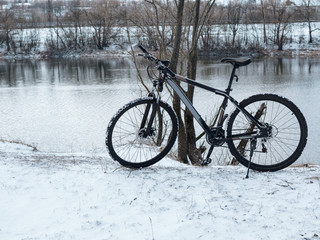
point(62, 72)
point(276, 70)
point(65, 105)
point(288, 69)
point(97, 71)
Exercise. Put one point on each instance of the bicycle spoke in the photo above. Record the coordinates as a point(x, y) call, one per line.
point(128, 141)
point(285, 137)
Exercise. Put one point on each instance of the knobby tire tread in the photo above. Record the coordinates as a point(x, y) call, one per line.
point(120, 113)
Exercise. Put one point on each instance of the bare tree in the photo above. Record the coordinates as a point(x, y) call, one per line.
point(8, 26)
point(154, 21)
point(196, 17)
point(308, 13)
point(265, 20)
point(50, 11)
point(234, 17)
point(165, 17)
point(182, 144)
point(102, 19)
point(281, 16)
point(74, 17)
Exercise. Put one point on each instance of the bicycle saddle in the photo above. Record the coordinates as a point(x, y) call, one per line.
point(237, 62)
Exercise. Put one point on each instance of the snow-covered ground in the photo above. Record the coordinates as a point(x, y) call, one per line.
point(49, 196)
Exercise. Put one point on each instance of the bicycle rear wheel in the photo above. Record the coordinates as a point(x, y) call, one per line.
point(288, 135)
point(126, 139)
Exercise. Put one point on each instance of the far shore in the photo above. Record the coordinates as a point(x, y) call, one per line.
point(106, 53)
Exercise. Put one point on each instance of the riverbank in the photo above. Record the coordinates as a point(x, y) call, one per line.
point(100, 54)
point(293, 50)
point(302, 52)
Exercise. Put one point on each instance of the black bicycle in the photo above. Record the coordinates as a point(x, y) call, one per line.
point(266, 132)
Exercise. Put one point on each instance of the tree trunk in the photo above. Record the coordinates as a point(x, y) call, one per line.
point(234, 33)
point(310, 32)
point(8, 40)
point(182, 139)
point(193, 153)
point(265, 38)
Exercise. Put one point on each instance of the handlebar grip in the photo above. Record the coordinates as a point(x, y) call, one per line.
point(142, 49)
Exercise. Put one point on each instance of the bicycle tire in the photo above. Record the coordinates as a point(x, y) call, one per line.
point(125, 141)
point(289, 133)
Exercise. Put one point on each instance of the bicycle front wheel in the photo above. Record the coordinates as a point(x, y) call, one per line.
point(288, 132)
point(127, 139)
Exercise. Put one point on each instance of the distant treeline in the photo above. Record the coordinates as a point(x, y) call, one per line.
point(83, 25)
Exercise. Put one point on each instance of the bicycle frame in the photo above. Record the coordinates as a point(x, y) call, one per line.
point(227, 97)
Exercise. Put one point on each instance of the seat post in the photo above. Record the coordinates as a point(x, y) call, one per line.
point(236, 63)
point(225, 100)
point(233, 75)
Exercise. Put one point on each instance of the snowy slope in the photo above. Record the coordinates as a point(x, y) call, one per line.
point(48, 196)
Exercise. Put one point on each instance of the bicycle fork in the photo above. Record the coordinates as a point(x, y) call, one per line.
point(146, 131)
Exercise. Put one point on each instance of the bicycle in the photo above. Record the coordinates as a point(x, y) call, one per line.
point(266, 132)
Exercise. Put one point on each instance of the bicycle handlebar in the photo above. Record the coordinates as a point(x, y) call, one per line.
point(161, 66)
point(143, 49)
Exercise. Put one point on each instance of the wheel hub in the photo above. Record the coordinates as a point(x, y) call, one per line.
point(143, 133)
point(269, 131)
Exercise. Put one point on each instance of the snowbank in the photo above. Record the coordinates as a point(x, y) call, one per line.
point(92, 197)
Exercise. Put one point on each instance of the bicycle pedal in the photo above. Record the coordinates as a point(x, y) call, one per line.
point(206, 162)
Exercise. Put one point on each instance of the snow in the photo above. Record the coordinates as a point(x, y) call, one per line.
point(79, 196)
